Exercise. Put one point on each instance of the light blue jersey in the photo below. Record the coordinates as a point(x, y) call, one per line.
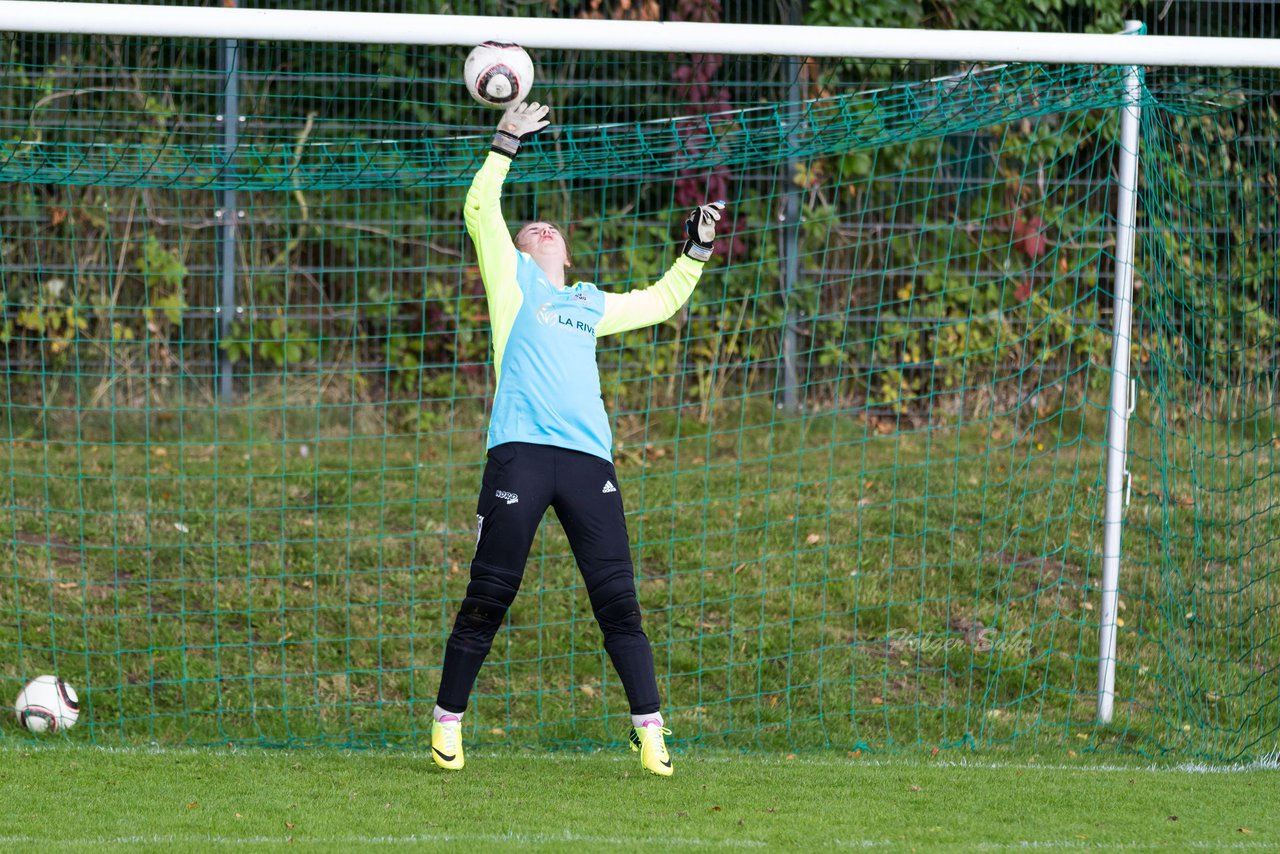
point(544, 337)
point(549, 386)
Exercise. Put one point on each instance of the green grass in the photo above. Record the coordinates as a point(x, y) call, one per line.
point(811, 581)
point(63, 798)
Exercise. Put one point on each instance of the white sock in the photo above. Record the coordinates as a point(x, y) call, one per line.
point(638, 721)
point(440, 714)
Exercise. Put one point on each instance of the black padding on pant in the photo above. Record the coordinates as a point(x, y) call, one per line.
point(489, 595)
point(613, 598)
point(612, 591)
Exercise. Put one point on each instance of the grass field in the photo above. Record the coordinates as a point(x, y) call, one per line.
point(61, 798)
point(288, 575)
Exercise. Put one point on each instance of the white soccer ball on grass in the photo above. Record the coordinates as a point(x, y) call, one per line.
point(498, 74)
point(47, 704)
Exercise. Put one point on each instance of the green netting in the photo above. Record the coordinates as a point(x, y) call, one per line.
point(1203, 524)
point(864, 468)
point(185, 148)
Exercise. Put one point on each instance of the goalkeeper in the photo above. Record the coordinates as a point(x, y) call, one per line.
point(550, 444)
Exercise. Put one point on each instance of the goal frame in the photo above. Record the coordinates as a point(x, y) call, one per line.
point(39, 16)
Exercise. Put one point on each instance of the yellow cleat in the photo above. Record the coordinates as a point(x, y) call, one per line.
point(446, 744)
point(648, 742)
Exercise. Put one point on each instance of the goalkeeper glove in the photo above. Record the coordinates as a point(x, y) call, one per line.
point(518, 123)
point(700, 228)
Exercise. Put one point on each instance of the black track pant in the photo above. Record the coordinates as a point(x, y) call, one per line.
point(520, 482)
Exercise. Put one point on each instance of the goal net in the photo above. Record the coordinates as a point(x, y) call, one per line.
point(247, 368)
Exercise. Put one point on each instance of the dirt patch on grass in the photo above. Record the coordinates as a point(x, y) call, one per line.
point(62, 551)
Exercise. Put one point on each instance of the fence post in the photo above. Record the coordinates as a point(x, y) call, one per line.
point(226, 212)
point(789, 237)
point(1121, 391)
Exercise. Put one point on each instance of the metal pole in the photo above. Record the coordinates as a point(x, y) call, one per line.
point(226, 213)
point(1121, 403)
point(790, 239)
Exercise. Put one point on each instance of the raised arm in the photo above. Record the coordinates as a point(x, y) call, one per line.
point(647, 306)
point(483, 216)
point(482, 213)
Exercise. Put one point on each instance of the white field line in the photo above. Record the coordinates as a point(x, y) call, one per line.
point(656, 843)
point(1269, 762)
point(1085, 845)
point(652, 842)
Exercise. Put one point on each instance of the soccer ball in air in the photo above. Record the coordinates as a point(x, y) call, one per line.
point(498, 74)
point(47, 704)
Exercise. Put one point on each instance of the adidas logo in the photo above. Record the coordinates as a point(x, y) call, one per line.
point(609, 487)
point(509, 497)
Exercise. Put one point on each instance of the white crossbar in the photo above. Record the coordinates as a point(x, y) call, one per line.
point(376, 28)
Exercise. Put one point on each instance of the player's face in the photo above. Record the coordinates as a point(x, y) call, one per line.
point(544, 242)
